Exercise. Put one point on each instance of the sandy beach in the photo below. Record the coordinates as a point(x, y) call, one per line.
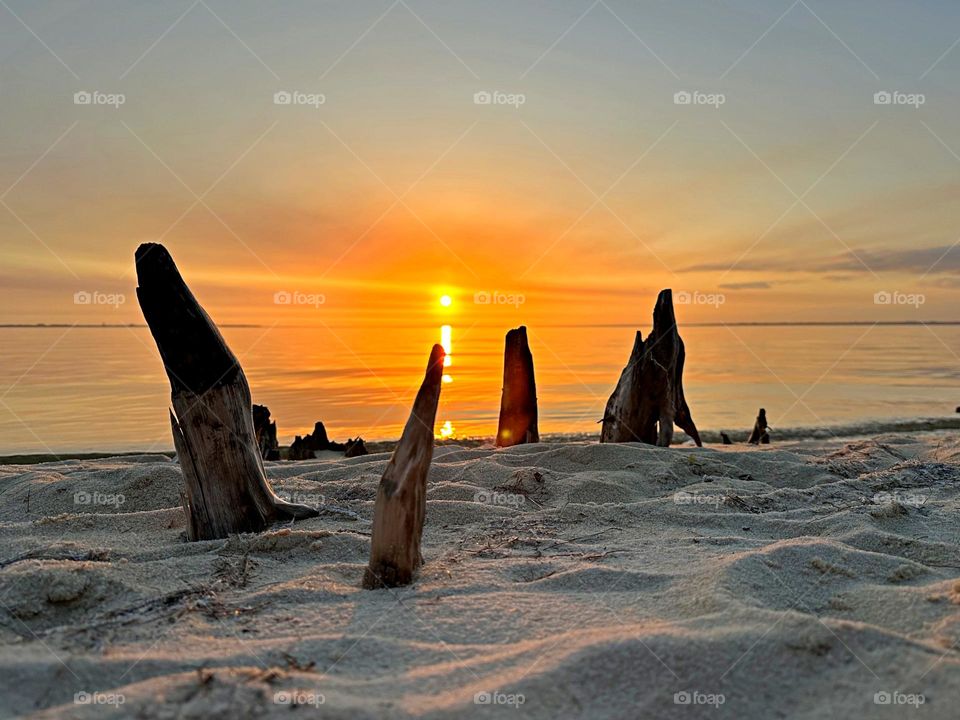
point(803, 580)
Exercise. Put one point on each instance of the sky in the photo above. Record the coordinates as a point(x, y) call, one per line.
point(785, 190)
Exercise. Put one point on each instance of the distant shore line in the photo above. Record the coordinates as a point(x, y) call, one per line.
point(771, 323)
point(866, 428)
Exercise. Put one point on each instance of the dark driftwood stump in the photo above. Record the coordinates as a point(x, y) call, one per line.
point(648, 399)
point(518, 405)
point(266, 433)
point(401, 505)
point(759, 436)
point(212, 420)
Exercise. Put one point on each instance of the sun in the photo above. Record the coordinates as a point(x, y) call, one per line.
point(446, 300)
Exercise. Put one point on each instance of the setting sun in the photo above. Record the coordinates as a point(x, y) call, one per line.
point(446, 300)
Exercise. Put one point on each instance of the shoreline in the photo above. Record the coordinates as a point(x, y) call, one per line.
point(849, 431)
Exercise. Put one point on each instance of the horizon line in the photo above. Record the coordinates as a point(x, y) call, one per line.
point(739, 323)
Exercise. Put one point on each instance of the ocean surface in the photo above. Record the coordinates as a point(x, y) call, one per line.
point(76, 389)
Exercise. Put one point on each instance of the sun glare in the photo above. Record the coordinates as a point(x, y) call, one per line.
point(446, 300)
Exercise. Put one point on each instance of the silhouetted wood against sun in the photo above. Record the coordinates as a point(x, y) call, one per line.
point(266, 433)
point(212, 419)
point(518, 404)
point(649, 399)
point(401, 505)
point(759, 436)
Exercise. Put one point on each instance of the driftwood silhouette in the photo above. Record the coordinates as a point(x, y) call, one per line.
point(760, 436)
point(518, 404)
point(266, 433)
point(226, 489)
point(649, 399)
point(401, 504)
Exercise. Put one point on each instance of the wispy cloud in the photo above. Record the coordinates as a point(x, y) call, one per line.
point(936, 259)
point(756, 285)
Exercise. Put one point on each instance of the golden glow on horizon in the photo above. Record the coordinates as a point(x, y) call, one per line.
point(446, 300)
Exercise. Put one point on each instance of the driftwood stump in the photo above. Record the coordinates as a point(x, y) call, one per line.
point(759, 436)
point(518, 404)
point(649, 399)
point(266, 433)
point(212, 420)
point(401, 505)
point(307, 447)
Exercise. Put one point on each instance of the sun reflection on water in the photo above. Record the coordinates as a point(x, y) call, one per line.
point(446, 341)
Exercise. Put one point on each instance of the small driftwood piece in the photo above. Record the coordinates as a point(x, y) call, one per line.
point(266, 432)
point(226, 489)
point(649, 399)
point(307, 447)
point(760, 436)
point(401, 505)
point(518, 404)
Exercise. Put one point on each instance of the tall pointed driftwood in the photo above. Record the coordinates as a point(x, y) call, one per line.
point(401, 505)
point(226, 489)
point(649, 399)
point(518, 405)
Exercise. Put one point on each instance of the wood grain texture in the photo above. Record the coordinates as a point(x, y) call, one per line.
point(401, 505)
point(226, 488)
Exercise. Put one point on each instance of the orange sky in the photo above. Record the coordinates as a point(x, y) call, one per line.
point(797, 199)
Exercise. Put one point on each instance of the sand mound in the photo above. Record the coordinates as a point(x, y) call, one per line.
point(566, 580)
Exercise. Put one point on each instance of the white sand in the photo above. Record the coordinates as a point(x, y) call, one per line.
point(589, 591)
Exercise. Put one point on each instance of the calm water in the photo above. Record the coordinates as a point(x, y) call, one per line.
point(105, 389)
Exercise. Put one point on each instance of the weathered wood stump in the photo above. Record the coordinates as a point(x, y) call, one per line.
point(266, 433)
point(307, 447)
point(226, 489)
point(649, 399)
point(518, 404)
point(725, 439)
point(759, 436)
point(401, 505)
point(355, 448)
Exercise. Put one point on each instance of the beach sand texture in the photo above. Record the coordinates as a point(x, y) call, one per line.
point(797, 581)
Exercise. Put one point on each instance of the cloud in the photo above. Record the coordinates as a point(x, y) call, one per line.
point(756, 285)
point(923, 260)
